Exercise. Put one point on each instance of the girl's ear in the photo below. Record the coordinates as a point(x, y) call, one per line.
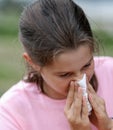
point(29, 60)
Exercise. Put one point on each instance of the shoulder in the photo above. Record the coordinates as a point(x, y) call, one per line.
point(16, 102)
point(18, 95)
point(103, 62)
point(104, 70)
point(19, 90)
point(104, 67)
point(104, 74)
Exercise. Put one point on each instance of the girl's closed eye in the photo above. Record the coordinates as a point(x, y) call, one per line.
point(86, 66)
point(66, 75)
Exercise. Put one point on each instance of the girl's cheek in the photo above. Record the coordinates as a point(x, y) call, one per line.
point(89, 74)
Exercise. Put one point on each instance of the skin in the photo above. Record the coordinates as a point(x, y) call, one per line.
point(60, 82)
point(67, 67)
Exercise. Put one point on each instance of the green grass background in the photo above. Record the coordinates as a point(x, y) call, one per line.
point(12, 66)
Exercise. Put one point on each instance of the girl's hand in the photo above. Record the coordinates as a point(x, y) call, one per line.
point(76, 109)
point(99, 115)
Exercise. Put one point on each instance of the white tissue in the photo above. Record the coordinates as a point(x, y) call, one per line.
point(83, 84)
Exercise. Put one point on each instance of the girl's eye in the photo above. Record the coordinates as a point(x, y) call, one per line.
point(65, 75)
point(86, 66)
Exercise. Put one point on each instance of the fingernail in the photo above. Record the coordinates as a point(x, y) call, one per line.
point(90, 96)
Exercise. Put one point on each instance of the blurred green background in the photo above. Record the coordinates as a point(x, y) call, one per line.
point(12, 66)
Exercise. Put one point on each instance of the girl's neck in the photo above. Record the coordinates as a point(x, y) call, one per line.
point(52, 93)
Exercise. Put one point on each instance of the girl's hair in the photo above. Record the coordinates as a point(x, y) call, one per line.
point(50, 27)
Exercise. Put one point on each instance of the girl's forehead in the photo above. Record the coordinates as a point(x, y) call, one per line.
point(79, 57)
point(82, 52)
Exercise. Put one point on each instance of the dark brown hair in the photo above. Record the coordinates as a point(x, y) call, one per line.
point(49, 27)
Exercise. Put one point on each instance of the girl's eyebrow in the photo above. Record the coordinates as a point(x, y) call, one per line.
point(89, 61)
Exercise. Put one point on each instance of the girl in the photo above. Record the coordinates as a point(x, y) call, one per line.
point(59, 48)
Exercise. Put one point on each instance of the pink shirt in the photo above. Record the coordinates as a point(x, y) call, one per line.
point(24, 107)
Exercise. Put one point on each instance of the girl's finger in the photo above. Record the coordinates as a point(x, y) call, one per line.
point(78, 102)
point(85, 109)
point(90, 88)
point(70, 96)
point(97, 103)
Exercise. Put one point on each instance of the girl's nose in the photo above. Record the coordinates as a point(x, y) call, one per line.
point(78, 76)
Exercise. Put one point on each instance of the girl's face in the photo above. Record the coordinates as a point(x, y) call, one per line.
point(67, 67)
